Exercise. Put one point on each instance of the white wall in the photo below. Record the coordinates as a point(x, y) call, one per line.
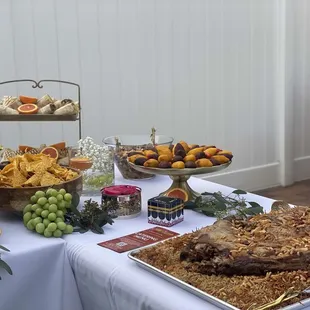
point(300, 32)
point(199, 70)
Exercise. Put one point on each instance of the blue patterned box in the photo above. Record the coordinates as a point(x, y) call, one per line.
point(165, 211)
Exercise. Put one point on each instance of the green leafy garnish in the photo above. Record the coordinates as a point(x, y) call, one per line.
point(218, 205)
point(92, 217)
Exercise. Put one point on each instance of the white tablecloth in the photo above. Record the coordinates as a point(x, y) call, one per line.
point(42, 276)
point(111, 281)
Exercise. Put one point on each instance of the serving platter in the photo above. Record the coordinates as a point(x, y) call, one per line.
point(221, 304)
point(180, 177)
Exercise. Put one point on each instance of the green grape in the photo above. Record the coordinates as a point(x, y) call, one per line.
point(37, 220)
point(27, 217)
point(52, 208)
point(45, 213)
point(39, 211)
point(39, 194)
point(68, 197)
point(68, 204)
point(52, 227)
point(34, 215)
point(59, 213)
point(59, 197)
point(59, 219)
point(62, 191)
point(52, 217)
point(57, 233)
point(61, 225)
point(35, 207)
point(40, 228)
point(30, 225)
point(49, 192)
point(46, 222)
point(33, 199)
point(69, 229)
point(27, 208)
point(47, 233)
point(52, 200)
point(42, 201)
point(54, 192)
point(61, 205)
point(46, 206)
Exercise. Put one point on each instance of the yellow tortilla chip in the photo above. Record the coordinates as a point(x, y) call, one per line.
point(33, 181)
point(5, 181)
point(29, 170)
point(7, 169)
point(23, 168)
point(48, 179)
point(18, 179)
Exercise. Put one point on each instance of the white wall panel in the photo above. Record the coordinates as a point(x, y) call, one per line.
point(201, 70)
point(299, 31)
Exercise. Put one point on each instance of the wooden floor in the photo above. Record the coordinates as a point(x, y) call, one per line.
point(297, 194)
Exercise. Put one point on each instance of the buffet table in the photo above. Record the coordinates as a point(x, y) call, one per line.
point(108, 280)
point(42, 276)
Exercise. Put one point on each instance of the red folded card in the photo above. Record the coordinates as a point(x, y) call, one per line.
point(138, 240)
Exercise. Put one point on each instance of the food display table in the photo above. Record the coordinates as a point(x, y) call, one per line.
point(108, 280)
point(42, 275)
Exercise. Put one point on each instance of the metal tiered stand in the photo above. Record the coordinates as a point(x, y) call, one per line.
point(44, 117)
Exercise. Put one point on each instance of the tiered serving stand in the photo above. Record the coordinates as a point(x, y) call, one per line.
point(44, 117)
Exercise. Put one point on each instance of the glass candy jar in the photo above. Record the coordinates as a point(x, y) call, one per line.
point(97, 164)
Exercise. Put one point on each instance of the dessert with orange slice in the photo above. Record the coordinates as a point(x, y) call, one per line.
point(26, 99)
point(25, 148)
point(28, 108)
point(177, 193)
point(59, 146)
point(81, 163)
point(51, 151)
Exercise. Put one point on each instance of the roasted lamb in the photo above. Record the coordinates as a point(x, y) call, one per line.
point(272, 242)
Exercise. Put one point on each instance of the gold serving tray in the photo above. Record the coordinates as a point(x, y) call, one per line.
point(180, 176)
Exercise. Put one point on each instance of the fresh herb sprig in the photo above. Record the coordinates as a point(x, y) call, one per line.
point(218, 205)
point(92, 217)
point(3, 264)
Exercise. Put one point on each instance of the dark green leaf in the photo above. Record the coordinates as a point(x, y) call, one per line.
point(5, 266)
point(75, 199)
point(207, 194)
point(75, 210)
point(219, 197)
point(97, 228)
point(254, 204)
point(4, 248)
point(110, 221)
point(208, 212)
point(220, 206)
point(239, 192)
point(190, 205)
point(82, 230)
point(253, 210)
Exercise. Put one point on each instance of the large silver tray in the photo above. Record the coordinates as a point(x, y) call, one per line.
point(305, 304)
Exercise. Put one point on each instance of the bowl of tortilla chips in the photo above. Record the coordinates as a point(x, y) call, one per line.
point(23, 175)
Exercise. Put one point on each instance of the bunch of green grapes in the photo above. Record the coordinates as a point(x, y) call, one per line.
point(45, 213)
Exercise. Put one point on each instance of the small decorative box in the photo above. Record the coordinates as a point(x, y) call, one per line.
point(165, 211)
